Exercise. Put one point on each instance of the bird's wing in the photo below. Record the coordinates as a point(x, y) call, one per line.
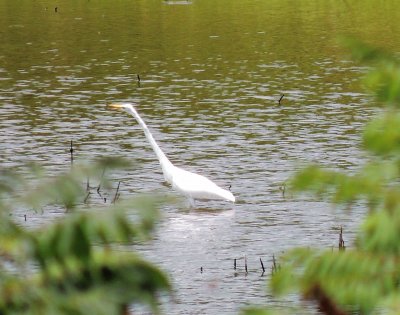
point(198, 187)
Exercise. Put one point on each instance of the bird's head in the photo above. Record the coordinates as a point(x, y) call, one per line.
point(124, 106)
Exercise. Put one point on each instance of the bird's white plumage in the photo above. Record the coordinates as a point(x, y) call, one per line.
point(191, 185)
point(197, 186)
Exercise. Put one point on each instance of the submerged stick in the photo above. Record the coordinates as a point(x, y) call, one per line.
point(98, 187)
point(71, 150)
point(281, 99)
point(234, 264)
point(87, 197)
point(116, 194)
point(101, 178)
point(282, 188)
point(273, 268)
point(341, 241)
point(245, 263)
point(262, 266)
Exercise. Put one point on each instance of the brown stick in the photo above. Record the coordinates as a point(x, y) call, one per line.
point(116, 193)
point(325, 304)
point(273, 268)
point(341, 241)
point(71, 150)
point(262, 266)
point(98, 187)
point(87, 197)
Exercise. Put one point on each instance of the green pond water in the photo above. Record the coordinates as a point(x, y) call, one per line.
point(211, 74)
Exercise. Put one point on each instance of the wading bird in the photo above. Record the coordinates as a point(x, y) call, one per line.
point(191, 185)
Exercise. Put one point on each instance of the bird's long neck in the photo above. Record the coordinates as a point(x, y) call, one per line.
point(164, 161)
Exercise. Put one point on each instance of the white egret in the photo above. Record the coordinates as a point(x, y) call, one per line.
point(191, 185)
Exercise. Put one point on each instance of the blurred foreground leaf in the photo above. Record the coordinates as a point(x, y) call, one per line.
point(364, 279)
point(82, 263)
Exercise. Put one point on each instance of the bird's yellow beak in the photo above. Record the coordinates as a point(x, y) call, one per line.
point(114, 105)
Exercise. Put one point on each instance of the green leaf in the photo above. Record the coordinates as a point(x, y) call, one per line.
point(80, 265)
point(382, 135)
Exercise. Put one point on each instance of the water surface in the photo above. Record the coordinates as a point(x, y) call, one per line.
point(211, 73)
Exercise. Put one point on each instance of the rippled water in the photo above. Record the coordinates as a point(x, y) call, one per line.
point(211, 77)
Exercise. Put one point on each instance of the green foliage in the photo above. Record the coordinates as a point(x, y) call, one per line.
point(365, 278)
point(384, 79)
point(77, 264)
point(353, 278)
point(382, 135)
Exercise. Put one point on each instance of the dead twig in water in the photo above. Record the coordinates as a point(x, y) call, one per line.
point(341, 241)
point(281, 99)
point(283, 189)
point(71, 151)
point(274, 267)
point(101, 178)
point(262, 266)
point(116, 196)
point(87, 197)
